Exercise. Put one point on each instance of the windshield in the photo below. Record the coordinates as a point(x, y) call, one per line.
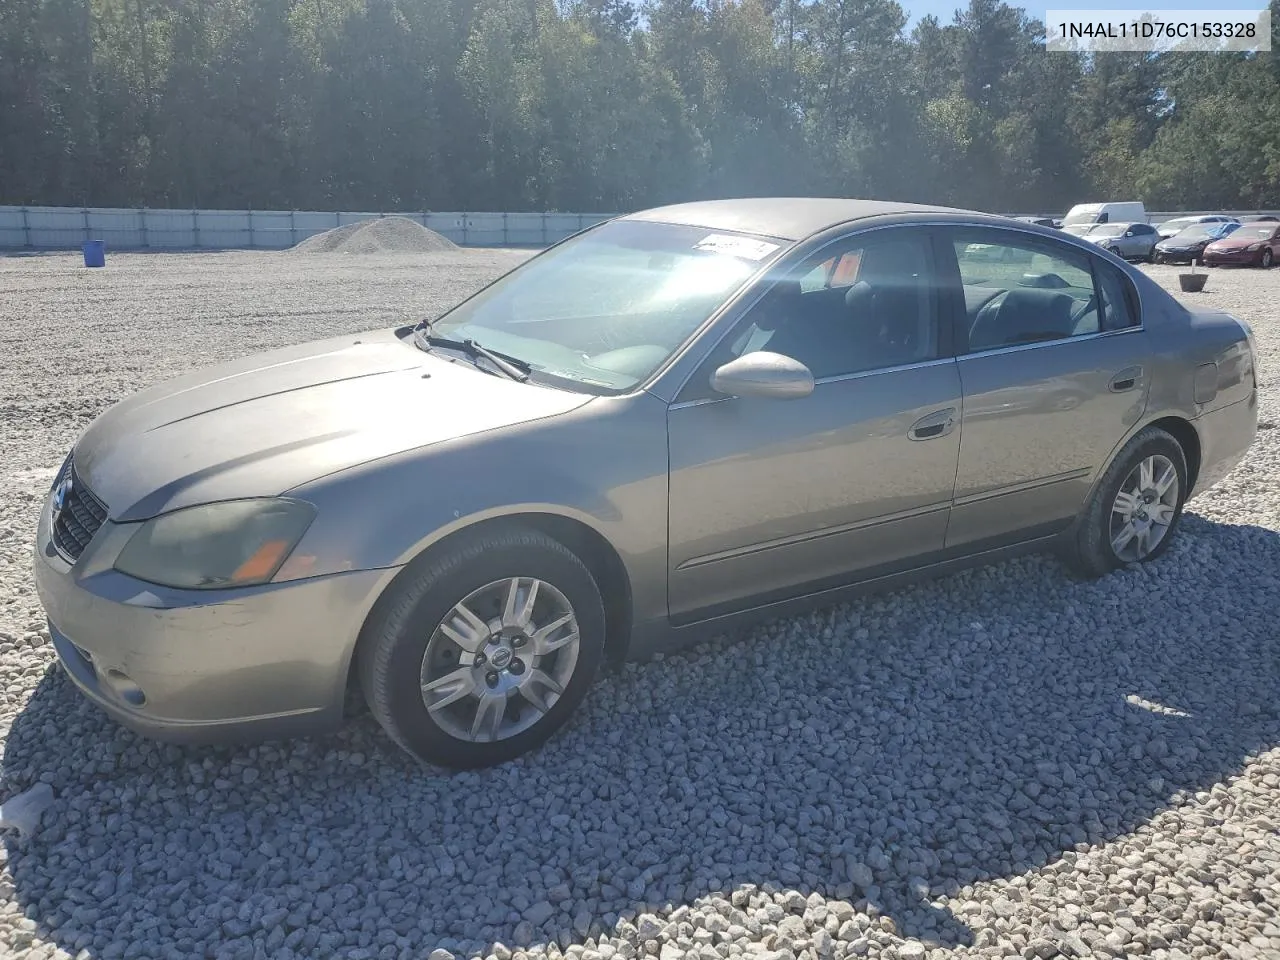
point(1077, 229)
point(1173, 226)
point(607, 308)
point(1252, 232)
point(1109, 230)
point(1201, 231)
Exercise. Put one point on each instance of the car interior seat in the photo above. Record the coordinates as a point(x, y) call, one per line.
point(1023, 315)
point(888, 306)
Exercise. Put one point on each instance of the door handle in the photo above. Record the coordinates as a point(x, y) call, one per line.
point(937, 424)
point(1125, 380)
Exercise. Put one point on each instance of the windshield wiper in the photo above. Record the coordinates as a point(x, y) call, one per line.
point(510, 367)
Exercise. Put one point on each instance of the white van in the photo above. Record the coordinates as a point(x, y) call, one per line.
point(1083, 216)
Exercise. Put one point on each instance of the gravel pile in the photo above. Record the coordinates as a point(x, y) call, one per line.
point(1003, 763)
point(384, 235)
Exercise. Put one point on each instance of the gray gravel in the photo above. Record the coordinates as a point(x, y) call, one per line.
point(385, 235)
point(1004, 763)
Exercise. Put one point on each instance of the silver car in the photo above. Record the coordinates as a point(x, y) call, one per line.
point(1132, 241)
point(666, 426)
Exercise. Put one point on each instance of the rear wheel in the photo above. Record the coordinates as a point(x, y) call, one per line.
point(1135, 509)
point(486, 652)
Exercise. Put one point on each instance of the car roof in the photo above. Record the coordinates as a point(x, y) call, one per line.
point(785, 218)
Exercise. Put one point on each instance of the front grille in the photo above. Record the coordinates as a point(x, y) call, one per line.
point(80, 517)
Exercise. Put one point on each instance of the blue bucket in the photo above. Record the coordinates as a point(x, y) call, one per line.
point(95, 253)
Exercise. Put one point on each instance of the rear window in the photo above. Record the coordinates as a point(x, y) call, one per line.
point(1119, 301)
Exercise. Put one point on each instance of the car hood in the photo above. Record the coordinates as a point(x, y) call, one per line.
point(263, 424)
point(1235, 243)
point(1173, 244)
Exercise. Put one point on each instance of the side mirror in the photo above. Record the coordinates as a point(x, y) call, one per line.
point(1128, 233)
point(763, 374)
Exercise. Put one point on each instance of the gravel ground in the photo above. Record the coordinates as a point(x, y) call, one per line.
point(1003, 763)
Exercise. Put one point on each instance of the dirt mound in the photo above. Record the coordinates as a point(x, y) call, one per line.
point(383, 235)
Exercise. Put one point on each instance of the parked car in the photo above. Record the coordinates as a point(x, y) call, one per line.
point(1132, 241)
point(1041, 221)
point(1265, 218)
point(1187, 246)
point(1255, 243)
point(1171, 227)
point(669, 425)
point(996, 253)
point(1085, 215)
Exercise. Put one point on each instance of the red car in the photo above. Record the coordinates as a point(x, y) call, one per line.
point(1254, 244)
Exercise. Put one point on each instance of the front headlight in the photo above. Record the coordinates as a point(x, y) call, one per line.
point(236, 543)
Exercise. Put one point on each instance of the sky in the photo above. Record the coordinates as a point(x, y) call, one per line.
point(945, 10)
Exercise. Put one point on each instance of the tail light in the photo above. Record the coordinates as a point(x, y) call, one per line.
point(1253, 352)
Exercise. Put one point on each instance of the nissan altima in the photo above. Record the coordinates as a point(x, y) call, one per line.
point(668, 425)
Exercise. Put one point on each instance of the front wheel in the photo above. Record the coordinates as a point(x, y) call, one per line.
point(484, 653)
point(1267, 259)
point(1135, 509)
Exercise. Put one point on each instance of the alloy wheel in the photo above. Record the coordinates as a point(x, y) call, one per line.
point(500, 659)
point(1144, 509)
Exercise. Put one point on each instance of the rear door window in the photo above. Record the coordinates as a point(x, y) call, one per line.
point(1021, 289)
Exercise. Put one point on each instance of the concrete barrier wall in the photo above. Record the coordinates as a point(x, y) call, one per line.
point(65, 228)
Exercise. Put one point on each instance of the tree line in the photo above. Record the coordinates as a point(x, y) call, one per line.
point(606, 105)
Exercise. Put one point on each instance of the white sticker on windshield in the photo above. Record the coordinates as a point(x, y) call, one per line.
point(743, 247)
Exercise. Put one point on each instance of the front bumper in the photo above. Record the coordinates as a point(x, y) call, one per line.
point(1226, 257)
point(202, 666)
point(1177, 256)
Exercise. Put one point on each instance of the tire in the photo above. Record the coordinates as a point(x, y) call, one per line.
point(1088, 548)
point(410, 623)
point(1266, 259)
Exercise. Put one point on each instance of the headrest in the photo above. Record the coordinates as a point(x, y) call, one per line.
point(891, 263)
point(782, 301)
point(857, 294)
